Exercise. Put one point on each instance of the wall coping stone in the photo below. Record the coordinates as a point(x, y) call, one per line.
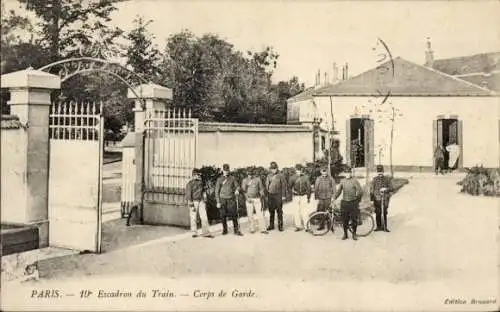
point(30, 78)
point(150, 91)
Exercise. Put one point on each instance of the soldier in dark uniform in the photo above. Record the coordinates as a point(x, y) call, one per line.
point(226, 191)
point(276, 186)
point(349, 205)
point(380, 190)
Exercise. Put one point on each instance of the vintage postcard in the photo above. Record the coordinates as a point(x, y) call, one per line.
point(167, 155)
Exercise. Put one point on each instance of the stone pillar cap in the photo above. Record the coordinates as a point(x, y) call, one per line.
point(150, 91)
point(30, 78)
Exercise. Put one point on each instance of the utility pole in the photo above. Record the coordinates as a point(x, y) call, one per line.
point(392, 138)
point(330, 133)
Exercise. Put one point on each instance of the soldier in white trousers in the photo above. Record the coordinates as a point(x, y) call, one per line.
point(196, 198)
point(253, 189)
point(301, 188)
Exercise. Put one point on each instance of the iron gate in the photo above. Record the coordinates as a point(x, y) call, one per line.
point(170, 143)
point(75, 168)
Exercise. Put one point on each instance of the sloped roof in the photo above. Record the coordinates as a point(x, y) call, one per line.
point(409, 79)
point(307, 94)
point(490, 81)
point(478, 63)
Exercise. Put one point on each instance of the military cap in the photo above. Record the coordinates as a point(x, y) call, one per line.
point(273, 165)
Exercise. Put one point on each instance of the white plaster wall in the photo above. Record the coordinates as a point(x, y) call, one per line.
point(413, 133)
point(13, 175)
point(241, 149)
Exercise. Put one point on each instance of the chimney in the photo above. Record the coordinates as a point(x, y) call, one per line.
point(318, 79)
point(326, 79)
point(335, 77)
point(429, 54)
point(346, 71)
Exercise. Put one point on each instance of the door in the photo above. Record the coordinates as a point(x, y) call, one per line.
point(369, 150)
point(348, 142)
point(437, 138)
point(75, 169)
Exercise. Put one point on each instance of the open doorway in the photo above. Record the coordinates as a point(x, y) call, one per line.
point(449, 138)
point(357, 132)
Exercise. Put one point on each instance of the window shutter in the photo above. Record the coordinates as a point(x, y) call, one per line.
point(371, 137)
point(348, 142)
point(460, 143)
point(440, 133)
point(434, 141)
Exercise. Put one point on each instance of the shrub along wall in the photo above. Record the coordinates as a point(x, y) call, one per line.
point(481, 181)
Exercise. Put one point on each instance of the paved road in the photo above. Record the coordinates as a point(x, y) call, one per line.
point(438, 236)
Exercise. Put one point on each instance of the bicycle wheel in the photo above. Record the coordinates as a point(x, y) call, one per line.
point(366, 224)
point(319, 223)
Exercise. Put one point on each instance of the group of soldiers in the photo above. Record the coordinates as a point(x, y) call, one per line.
point(274, 190)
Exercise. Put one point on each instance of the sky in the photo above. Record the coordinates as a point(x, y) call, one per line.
point(311, 35)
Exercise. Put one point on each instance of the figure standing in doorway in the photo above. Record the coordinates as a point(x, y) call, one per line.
point(439, 159)
point(454, 152)
point(226, 190)
point(276, 191)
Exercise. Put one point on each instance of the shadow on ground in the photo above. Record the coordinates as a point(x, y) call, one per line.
point(116, 235)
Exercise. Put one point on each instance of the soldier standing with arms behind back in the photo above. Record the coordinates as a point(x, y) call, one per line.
point(276, 191)
point(301, 188)
point(226, 190)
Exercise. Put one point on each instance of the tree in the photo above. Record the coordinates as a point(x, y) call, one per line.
point(142, 55)
point(66, 25)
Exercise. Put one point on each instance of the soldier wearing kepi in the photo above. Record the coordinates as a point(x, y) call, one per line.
point(380, 194)
point(276, 191)
point(349, 206)
point(226, 190)
point(196, 198)
point(253, 188)
point(301, 188)
point(324, 189)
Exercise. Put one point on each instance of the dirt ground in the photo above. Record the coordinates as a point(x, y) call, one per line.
point(437, 236)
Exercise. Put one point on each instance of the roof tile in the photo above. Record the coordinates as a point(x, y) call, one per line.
point(409, 79)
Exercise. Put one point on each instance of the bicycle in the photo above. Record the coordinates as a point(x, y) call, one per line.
point(332, 218)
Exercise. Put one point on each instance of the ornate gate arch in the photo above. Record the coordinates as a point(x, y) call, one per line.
point(76, 157)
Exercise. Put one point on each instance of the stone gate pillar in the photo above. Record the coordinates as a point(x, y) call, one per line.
point(148, 98)
point(30, 101)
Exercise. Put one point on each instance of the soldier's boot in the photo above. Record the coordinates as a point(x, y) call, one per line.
point(224, 226)
point(386, 229)
point(236, 228)
point(354, 236)
point(280, 222)
point(271, 221)
point(345, 232)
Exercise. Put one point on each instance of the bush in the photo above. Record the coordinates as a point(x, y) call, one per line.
point(481, 181)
